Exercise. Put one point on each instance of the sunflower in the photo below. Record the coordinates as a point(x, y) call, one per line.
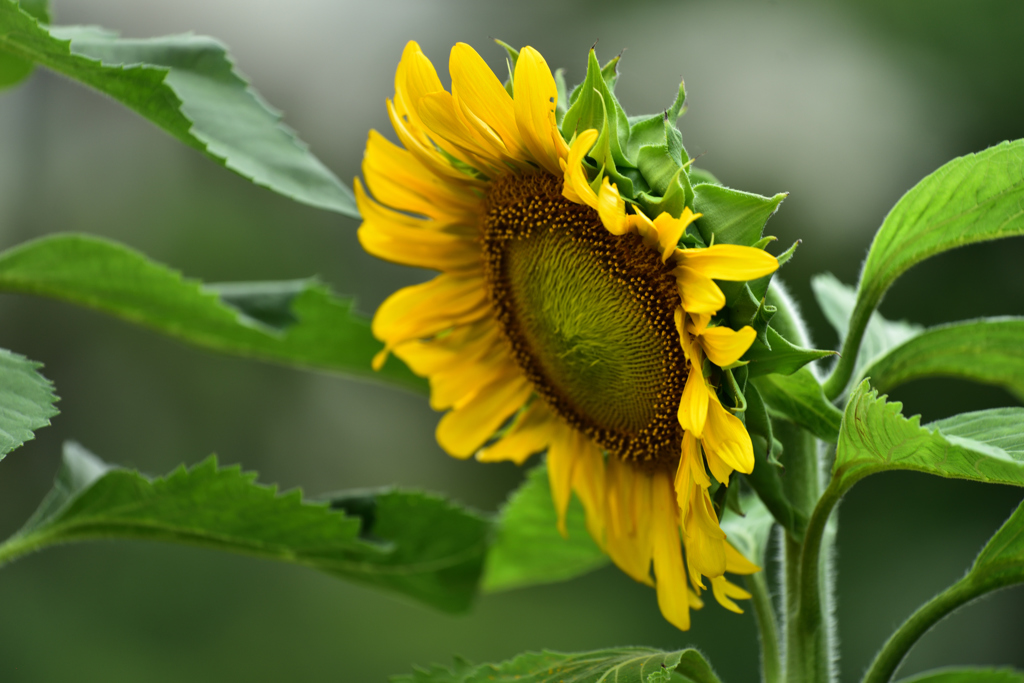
point(565, 319)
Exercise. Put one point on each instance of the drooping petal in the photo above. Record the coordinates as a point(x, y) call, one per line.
point(726, 437)
point(670, 230)
point(724, 591)
point(669, 570)
point(611, 208)
point(463, 430)
point(728, 262)
point(588, 480)
point(705, 540)
point(576, 187)
point(735, 563)
point(690, 472)
point(562, 454)
point(698, 292)
point(628, 519)
point(535, 94)
point(725, 346)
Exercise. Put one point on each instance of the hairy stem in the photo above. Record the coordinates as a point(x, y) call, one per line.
point(843, 370)
point(895, 650)
point(767, 627)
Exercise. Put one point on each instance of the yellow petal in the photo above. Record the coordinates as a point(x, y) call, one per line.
point(727, 438)
point(611, 208)
point(576, 187)
point(705, 540)
point(719, 470)
point(698, 292)
point(401, 238)
point(422, 147)
point(669, 571)
point(562, 455)
point(534, 100)
point(628, 520)
point(476, 87)
point(467, 375)
point(724, 346)
point(588, 479)
point(423, 310)
point(728, 262)
point(698, 323)
point(690, 472)
point(531, 434)
point(439, 115)
point(735, 563)
point(463, 430)
point(724, 591)
point(671, 229)
point(436, 354)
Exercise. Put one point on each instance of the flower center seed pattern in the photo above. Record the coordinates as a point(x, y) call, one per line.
point(588, 316)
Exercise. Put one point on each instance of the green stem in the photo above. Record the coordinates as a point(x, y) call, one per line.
point(16, 546)
point(896, 648)
point(767, 626)
point(859, 319)
point(809, 634)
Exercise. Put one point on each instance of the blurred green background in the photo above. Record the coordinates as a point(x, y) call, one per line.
point(843, 104)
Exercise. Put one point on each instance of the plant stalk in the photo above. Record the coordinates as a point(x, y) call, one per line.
point(895, 650)
point(767, 627)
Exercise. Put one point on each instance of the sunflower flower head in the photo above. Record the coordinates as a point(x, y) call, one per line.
point(599, 300)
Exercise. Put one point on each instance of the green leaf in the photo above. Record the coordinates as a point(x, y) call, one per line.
point(837, 302)
point(799, 398)
point(187, 85)
point(779, 355)
point(766, 479)
point(732, 216)
point(621, 665)
point(528, 550)
point(967, 676)
point(13, 69)
point(224, 509)
point(973, 198)
point(986, 446)
point(990, 350)
point(26, 400)
point(327, 334)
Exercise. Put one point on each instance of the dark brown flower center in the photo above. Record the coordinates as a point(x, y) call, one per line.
point(588, 316)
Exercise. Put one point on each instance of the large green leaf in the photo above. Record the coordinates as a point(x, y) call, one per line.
point(798, 398)
point(187, 85)
point(837, 302)
point(990, 350)
point(620, 665)
point(971, 199)
point(407, 542)
point(299, 323)
point(528, 550)
point(26, 400)
point(986, 446)
point(967, 676)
